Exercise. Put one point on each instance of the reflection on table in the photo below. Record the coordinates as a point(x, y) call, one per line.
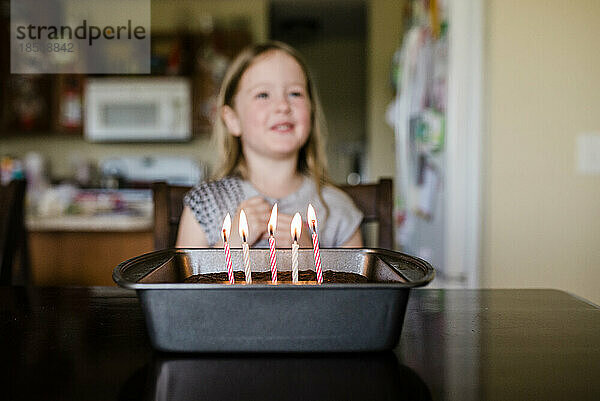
point(281, 377)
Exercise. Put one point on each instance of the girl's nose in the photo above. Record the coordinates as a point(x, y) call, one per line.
point(283, 104)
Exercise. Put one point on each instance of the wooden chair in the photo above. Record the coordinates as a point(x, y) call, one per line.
point(168, 205)
point(374, 200)
point(376, 203)
point(13, 236)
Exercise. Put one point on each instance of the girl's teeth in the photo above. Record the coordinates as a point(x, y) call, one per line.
point(283, 127)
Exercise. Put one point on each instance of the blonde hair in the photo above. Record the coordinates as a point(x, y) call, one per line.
point(311, 157)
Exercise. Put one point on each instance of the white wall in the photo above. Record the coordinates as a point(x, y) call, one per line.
point(385, 19)
point(542, 218)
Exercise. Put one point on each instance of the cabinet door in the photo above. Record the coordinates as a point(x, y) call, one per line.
point(26, 103)
point(82, 258)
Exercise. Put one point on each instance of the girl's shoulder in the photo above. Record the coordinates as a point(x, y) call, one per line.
point(221, 185)
point(333, 196)
point(343, 217)
point(336, 196)
point(210, 201)
point(220, 194)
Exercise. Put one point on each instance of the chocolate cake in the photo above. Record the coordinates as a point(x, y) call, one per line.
point(304, 277)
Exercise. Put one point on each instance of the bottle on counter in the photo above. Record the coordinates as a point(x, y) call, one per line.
point(70, 105)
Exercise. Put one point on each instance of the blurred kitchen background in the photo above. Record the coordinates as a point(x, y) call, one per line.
point(495, 165)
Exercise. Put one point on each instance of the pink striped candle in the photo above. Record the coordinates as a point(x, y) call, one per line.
point(228, 260)
point(317, 254)
point(272, 255)
point(273, 259)
point(312, 223)
point(225, 232)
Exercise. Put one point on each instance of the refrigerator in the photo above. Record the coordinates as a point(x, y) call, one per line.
point(436, 116)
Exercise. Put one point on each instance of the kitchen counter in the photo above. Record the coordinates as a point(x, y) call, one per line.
point(107, 222)
point(91, 343)
point(66, 208)
point(95, 228)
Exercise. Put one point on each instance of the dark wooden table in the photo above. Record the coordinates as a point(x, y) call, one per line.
point(91, 344)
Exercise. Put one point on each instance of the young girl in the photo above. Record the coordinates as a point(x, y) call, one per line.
point(269, 136)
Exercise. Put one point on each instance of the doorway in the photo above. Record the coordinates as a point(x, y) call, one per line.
point(332, 37)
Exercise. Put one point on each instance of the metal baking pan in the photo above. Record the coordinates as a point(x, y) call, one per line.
point(184, 317)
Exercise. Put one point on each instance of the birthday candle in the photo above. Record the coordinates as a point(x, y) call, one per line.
point(243, 229)
point(272, 256)
point(296, 229)
point(312, 223)
point(226, 230)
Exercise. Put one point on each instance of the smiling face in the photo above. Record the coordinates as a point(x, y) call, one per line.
point(271, 110)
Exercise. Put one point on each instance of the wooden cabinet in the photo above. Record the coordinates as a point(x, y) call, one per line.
point(53, 103)
point(82, 258)
point(204, 59)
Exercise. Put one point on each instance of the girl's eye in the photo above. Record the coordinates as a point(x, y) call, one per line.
point(262, 95)
point(296, 94)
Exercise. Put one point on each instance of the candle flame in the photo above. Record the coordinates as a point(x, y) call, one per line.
point(243, 226)
point(226, 227)
point(273, 220)
point(296, 227)
point(312, 218)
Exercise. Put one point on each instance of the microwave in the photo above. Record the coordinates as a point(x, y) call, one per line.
point(148, 109)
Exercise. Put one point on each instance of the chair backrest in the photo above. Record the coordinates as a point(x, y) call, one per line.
point(12, 229)
point(374, 200)
point(168, 205)
point(376, 203)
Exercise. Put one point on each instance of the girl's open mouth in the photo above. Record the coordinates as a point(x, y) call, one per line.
point(283, 127)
